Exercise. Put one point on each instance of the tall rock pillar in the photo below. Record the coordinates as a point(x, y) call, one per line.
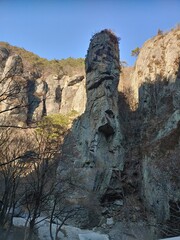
point(94, 145)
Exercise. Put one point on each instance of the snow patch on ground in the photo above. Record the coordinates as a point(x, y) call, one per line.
point(19, 222)
point(93, 236)
point(173, 238)
point(67, 232)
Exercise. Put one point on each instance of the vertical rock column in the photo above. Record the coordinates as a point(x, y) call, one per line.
point(94, 144)
point(102, 73)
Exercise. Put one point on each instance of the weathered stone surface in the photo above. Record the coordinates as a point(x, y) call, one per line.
point(37, 90)
point(13, 104)
point(125, 78)
point(158, 59)
point(14, 66)
point(156, 194)
point(169, 125)
point(55, 95)
point(160, 173)
point(4, 53)
point(156, 74)
point(73, 94)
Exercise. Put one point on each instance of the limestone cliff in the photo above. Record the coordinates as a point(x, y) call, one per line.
point(28, 93)
point(55, 95)
point(154, 131)
point(158, 61)
point(159, 101)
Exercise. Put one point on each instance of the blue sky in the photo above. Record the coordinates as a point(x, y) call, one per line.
point(56, 29)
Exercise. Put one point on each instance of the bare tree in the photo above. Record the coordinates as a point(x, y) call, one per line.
point(11, 171)
point(28, 168)
point(41, 182)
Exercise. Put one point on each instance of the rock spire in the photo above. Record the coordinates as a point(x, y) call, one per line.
point(96, 139)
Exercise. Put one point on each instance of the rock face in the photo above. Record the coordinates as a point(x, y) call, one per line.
point(55, 95)
point(156, 81)
point(158, 62)
point(14, 66)
point(4, 54)
point(68, 93)
point(31, 95)
point(13, 100)
point(96, 137)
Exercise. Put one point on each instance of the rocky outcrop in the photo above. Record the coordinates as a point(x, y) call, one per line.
point(156, 82)
point(157, 67)
point(31, 95)
point(55, 95)
point(13, 100)
point(125, 82)
point(36, 93)
point(73, 95)
point(14, 66)
point(4, 54)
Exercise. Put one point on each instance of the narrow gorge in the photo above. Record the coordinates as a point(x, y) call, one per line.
point(123, 146)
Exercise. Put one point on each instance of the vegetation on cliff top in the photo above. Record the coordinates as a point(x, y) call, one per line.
point(33, 61)
point(111, 34)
